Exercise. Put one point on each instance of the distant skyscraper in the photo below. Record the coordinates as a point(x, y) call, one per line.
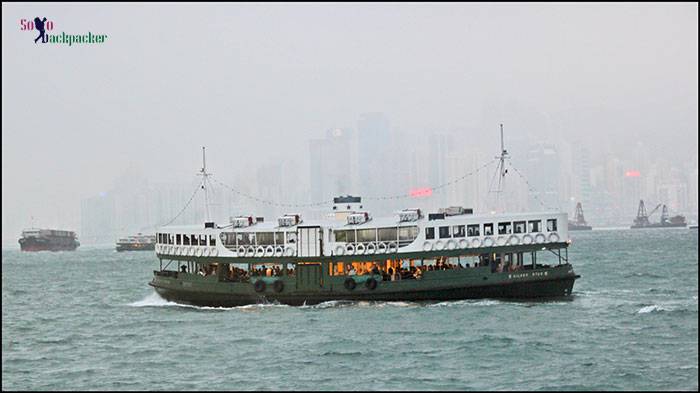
point(373, 146)
point(543, 174)
point(331, 161)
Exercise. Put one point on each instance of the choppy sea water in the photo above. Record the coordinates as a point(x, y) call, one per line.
point(88, 320)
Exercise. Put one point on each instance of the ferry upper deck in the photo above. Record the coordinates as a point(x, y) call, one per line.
point(350, 232)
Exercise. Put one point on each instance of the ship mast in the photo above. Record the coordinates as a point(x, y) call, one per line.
point(501, 163)
point(205, 178)
point(501, 172)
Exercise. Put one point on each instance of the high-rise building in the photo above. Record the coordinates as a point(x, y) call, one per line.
point(374, 157)
point(543, 175)
point(331, 165)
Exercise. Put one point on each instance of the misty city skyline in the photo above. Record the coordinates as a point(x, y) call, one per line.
point(263, 87)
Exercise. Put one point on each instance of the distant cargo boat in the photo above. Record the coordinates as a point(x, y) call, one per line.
point(137, 242)
point(642, 220)
point(35, 239)
point(579, 223)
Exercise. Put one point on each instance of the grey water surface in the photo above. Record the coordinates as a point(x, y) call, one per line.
point(88, 320)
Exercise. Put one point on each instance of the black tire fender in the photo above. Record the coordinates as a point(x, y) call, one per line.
point(371, 283)
point(259, 286)
point(349, 284)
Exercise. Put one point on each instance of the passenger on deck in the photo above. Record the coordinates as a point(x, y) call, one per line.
point(201, 272)
point(375, 269)
point(352, 271)
point(183, 269)
point(419, 273)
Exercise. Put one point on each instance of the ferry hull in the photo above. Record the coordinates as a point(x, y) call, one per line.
point(139, 247)
point(34, 245)
point(559, 286)
point(580, 227)
point(680, 225)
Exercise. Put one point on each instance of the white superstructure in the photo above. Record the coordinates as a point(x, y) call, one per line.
point(355, 233)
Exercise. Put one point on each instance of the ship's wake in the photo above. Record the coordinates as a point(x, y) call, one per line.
point(155, 300)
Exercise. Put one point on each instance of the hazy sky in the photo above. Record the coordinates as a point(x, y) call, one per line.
point(256, 81)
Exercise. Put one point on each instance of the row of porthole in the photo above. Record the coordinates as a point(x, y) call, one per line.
point(193, 251)
point(511, 240)
point(265, 251)
point(366, 248)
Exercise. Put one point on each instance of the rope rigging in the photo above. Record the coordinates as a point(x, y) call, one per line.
point(208, 178)
point(199, 186)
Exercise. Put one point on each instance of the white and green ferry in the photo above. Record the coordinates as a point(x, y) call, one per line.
point(450, 254)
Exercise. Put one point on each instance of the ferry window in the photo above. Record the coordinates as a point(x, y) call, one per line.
point(473, 230)
point(251, 238)
point(291, 237)
point(534, 226)
point(279, 237)
point(408, 234)
point(458, 231)
point(341, 236)
point(444, 232)
point(193, 240)
point(212, 240)
point(552, 225)
point(387, 234)
point(242, 239)
point(265, 238)
point(488, 229)
point(345, 236)
point(430, 233)
point(504, 228)
point(170, 239)
point(519, 227)
point(202, 240)
point(178, 239)
point(185, 240)
point(366, 235)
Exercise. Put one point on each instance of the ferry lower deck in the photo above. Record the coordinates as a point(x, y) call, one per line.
point(516, 272)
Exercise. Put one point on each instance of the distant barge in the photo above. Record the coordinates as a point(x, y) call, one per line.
point(579, 223)
point(642, 219)
point(35, 239)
